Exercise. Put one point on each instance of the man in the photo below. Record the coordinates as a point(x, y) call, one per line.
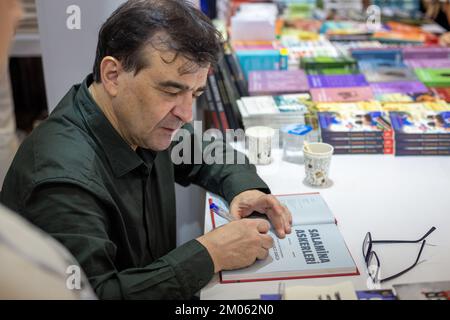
point(98, 174)
point(8, 137)
point(32, 265)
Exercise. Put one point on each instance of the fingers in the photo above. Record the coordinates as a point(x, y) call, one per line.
point(262, 254)
point(266, 244)
point(266, 241)
point(278, 214)
point(262, 226)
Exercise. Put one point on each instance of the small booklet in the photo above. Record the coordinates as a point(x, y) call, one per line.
point(314, 248)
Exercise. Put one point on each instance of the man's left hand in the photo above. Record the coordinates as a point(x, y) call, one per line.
point(254, 200)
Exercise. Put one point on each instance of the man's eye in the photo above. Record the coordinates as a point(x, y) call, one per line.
point(171, 94)
point(197, 94)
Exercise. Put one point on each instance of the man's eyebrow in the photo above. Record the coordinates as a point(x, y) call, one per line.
point(177, 85)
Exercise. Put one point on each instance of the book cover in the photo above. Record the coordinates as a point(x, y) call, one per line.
point(337, 81)
point(399, 87)
point(386, 74)
point(443, 93)
point(439, 290)
point(314, 248)
point(362, 121)
point(428, 63)
point(434, 77)
point(351, 94)
point(429, 52)
point(277, 82)
point(379, 63)
point(399, 37)
point(420, 124)
point(408, 97)
point(273, 105)
point(252, 60)
point(377, 54)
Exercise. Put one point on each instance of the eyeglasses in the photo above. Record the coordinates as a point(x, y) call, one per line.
point(373, 262)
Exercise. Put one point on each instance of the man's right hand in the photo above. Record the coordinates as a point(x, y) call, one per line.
point(238, 244)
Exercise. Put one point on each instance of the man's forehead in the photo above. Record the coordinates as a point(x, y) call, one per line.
point(170, 61)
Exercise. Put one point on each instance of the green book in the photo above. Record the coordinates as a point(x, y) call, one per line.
point(330, 71)
point(434, 77)
point(328, 62)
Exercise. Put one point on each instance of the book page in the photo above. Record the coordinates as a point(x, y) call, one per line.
point(310, 250)
point(305, 209)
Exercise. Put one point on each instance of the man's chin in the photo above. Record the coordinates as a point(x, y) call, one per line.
point(160, 145)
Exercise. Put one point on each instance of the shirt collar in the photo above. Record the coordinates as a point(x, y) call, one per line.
point(120, 155)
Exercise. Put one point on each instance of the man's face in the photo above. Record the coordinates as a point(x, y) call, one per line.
point(10, 14)
point(151, 106)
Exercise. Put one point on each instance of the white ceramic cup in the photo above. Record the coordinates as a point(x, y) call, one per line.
point(317, 163)
point(260, 144)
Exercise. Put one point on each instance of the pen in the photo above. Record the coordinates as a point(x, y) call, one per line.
point(221, 212)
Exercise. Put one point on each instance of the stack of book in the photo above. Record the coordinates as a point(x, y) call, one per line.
point(274, 111)
point(420, 129)
point(355, 128)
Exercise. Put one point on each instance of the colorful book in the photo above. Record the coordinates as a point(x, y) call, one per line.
point(277, 82)
point(407, 97)
point(314, 248)
point(443, 93)
point(377, 54)
point(420, 124)
point(429, 53)
point(337, 81)
point(428, 63)
point(399, 37)
point(439, 290)
point(251, 60)
point(351, 94)
point(379, 63)
point(398, 87)
point(434, 77)
point(328, 62)
point(384, 74)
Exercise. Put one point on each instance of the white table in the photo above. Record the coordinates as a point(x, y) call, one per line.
point(392, 197)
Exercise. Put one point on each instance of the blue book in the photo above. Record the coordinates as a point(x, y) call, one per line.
point(254, 60)
point(314, 248)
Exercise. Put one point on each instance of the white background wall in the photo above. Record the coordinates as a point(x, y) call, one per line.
point(68, 57)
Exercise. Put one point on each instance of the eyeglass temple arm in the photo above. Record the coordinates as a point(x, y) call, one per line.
point(406, 241)
point(406, 270)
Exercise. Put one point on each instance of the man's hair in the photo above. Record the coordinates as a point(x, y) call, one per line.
point(187, 31)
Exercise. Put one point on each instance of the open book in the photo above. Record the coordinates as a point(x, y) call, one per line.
point(314, 248)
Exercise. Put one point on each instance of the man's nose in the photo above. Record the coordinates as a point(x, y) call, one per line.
point(183, 110)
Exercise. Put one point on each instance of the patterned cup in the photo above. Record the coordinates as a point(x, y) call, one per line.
point(260, 144)
point(317, 163)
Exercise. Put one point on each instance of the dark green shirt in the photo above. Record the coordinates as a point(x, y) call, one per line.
point(112, 207)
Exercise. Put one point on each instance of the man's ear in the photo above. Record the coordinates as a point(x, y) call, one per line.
point(110, 69)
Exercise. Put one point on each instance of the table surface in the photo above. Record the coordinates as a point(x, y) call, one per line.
point(392, 197)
